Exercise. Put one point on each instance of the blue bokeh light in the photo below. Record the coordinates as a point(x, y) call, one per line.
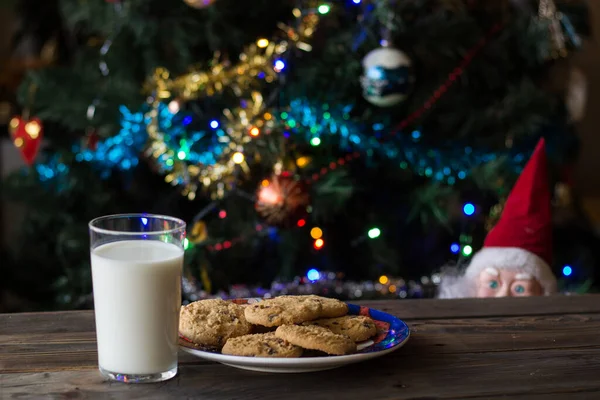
point(567, 270)
point(279, 65)
point(313, 274)
point(454, 248)
point(469, 209)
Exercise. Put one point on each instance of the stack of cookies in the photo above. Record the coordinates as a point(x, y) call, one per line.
point(285, 326)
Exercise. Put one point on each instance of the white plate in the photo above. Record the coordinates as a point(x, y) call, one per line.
point(392, 334)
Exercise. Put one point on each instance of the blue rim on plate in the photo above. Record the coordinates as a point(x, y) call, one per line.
point(391, 331)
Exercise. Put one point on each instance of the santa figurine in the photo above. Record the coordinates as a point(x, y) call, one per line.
point(516, 256)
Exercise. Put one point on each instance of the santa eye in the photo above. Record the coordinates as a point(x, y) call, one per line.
point(520, 289)
point(493, 284)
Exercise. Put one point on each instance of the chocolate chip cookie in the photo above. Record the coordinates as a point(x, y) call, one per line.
point(316, 337)
point(330, 307)
point(357, 327)
point(293, 310)
point(261, 345)
point(212, 322)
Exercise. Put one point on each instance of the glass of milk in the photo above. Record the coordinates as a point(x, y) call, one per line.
point(137, 262)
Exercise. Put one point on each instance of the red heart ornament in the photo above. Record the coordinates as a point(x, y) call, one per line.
point(27, 137)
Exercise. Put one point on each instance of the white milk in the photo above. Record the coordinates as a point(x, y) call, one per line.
point(137, 296)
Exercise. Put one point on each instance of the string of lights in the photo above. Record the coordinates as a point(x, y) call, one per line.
point(199, 234)
point(327, 283)
point(213, 158)
point(210, 154)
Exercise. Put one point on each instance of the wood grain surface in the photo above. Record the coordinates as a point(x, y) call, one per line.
point(518, 348)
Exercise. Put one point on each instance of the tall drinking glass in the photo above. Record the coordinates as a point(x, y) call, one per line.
point(137, 262)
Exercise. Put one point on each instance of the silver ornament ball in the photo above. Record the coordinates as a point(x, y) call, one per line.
point(387, 77)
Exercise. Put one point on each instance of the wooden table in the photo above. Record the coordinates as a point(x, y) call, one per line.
point(527, 348)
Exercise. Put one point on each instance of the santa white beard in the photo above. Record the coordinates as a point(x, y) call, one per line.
point(455, 285)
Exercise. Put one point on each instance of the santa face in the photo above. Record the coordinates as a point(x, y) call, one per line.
point(494, 282)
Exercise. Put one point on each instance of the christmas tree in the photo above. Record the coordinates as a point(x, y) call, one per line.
point(347, 148)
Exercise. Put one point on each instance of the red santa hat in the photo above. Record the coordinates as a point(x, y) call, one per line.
point(522, 238)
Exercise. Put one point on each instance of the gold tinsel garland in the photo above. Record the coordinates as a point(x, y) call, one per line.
point(243, 123)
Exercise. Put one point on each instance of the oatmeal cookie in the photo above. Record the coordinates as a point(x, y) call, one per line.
point(211, 322)
point(316, 338)
point(261, 345)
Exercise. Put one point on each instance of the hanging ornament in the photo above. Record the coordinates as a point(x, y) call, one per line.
point(560, 28)
point(90, 140)
point(198, 4)
point(563, 200)
point(548, 14)
point(281, 199)
point(576, 96)
point(563, 196)
point(26, 136)
point(387, 77)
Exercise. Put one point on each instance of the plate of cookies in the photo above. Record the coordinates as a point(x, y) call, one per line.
point(288, 334)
